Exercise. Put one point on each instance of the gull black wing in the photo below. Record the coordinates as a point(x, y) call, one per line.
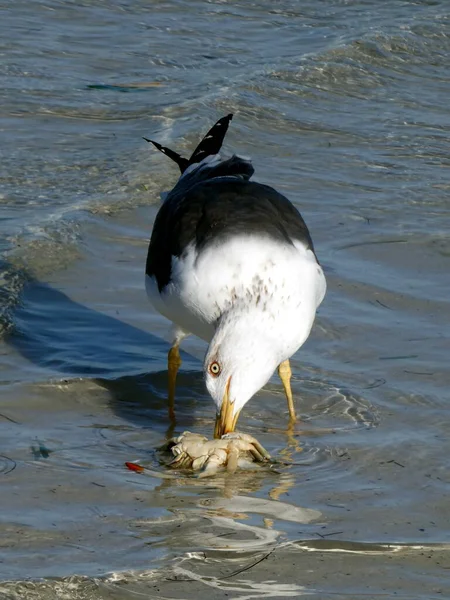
point(210, 145)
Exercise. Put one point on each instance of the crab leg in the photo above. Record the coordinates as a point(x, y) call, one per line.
point(233, 458)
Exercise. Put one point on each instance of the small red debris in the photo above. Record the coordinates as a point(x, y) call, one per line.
point(134, 467)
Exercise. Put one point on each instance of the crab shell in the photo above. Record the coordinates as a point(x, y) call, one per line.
point(195, 451)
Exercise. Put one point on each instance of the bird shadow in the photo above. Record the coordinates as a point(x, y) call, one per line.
point(66, 339)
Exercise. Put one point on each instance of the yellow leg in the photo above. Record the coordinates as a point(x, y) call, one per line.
point(173, 363)
point(284, 371)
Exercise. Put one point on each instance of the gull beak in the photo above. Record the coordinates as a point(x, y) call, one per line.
point(226, 420)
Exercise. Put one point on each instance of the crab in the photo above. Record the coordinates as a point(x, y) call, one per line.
point(192, 450)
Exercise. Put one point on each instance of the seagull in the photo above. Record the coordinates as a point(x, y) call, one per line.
point(231, 261)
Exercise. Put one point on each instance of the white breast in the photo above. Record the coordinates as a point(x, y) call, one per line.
point(286, 280)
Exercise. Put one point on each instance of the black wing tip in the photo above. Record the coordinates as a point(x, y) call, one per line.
point(152, 142)
point(204, 149)
point(181, 162)
point(212, 142)
point(226, 120)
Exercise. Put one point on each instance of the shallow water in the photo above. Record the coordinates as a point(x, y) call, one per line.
point(343, 107)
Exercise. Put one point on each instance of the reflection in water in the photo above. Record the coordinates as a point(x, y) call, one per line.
point(246, 588)
point(239, 505)
point(365, 548)
point(337, 401)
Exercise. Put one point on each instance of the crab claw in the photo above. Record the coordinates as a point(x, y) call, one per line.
point(249, 443)
point(213, 463)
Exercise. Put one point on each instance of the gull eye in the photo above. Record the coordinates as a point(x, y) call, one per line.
point(214, 368)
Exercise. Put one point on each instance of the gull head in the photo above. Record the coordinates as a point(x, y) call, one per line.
point(240, 360)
